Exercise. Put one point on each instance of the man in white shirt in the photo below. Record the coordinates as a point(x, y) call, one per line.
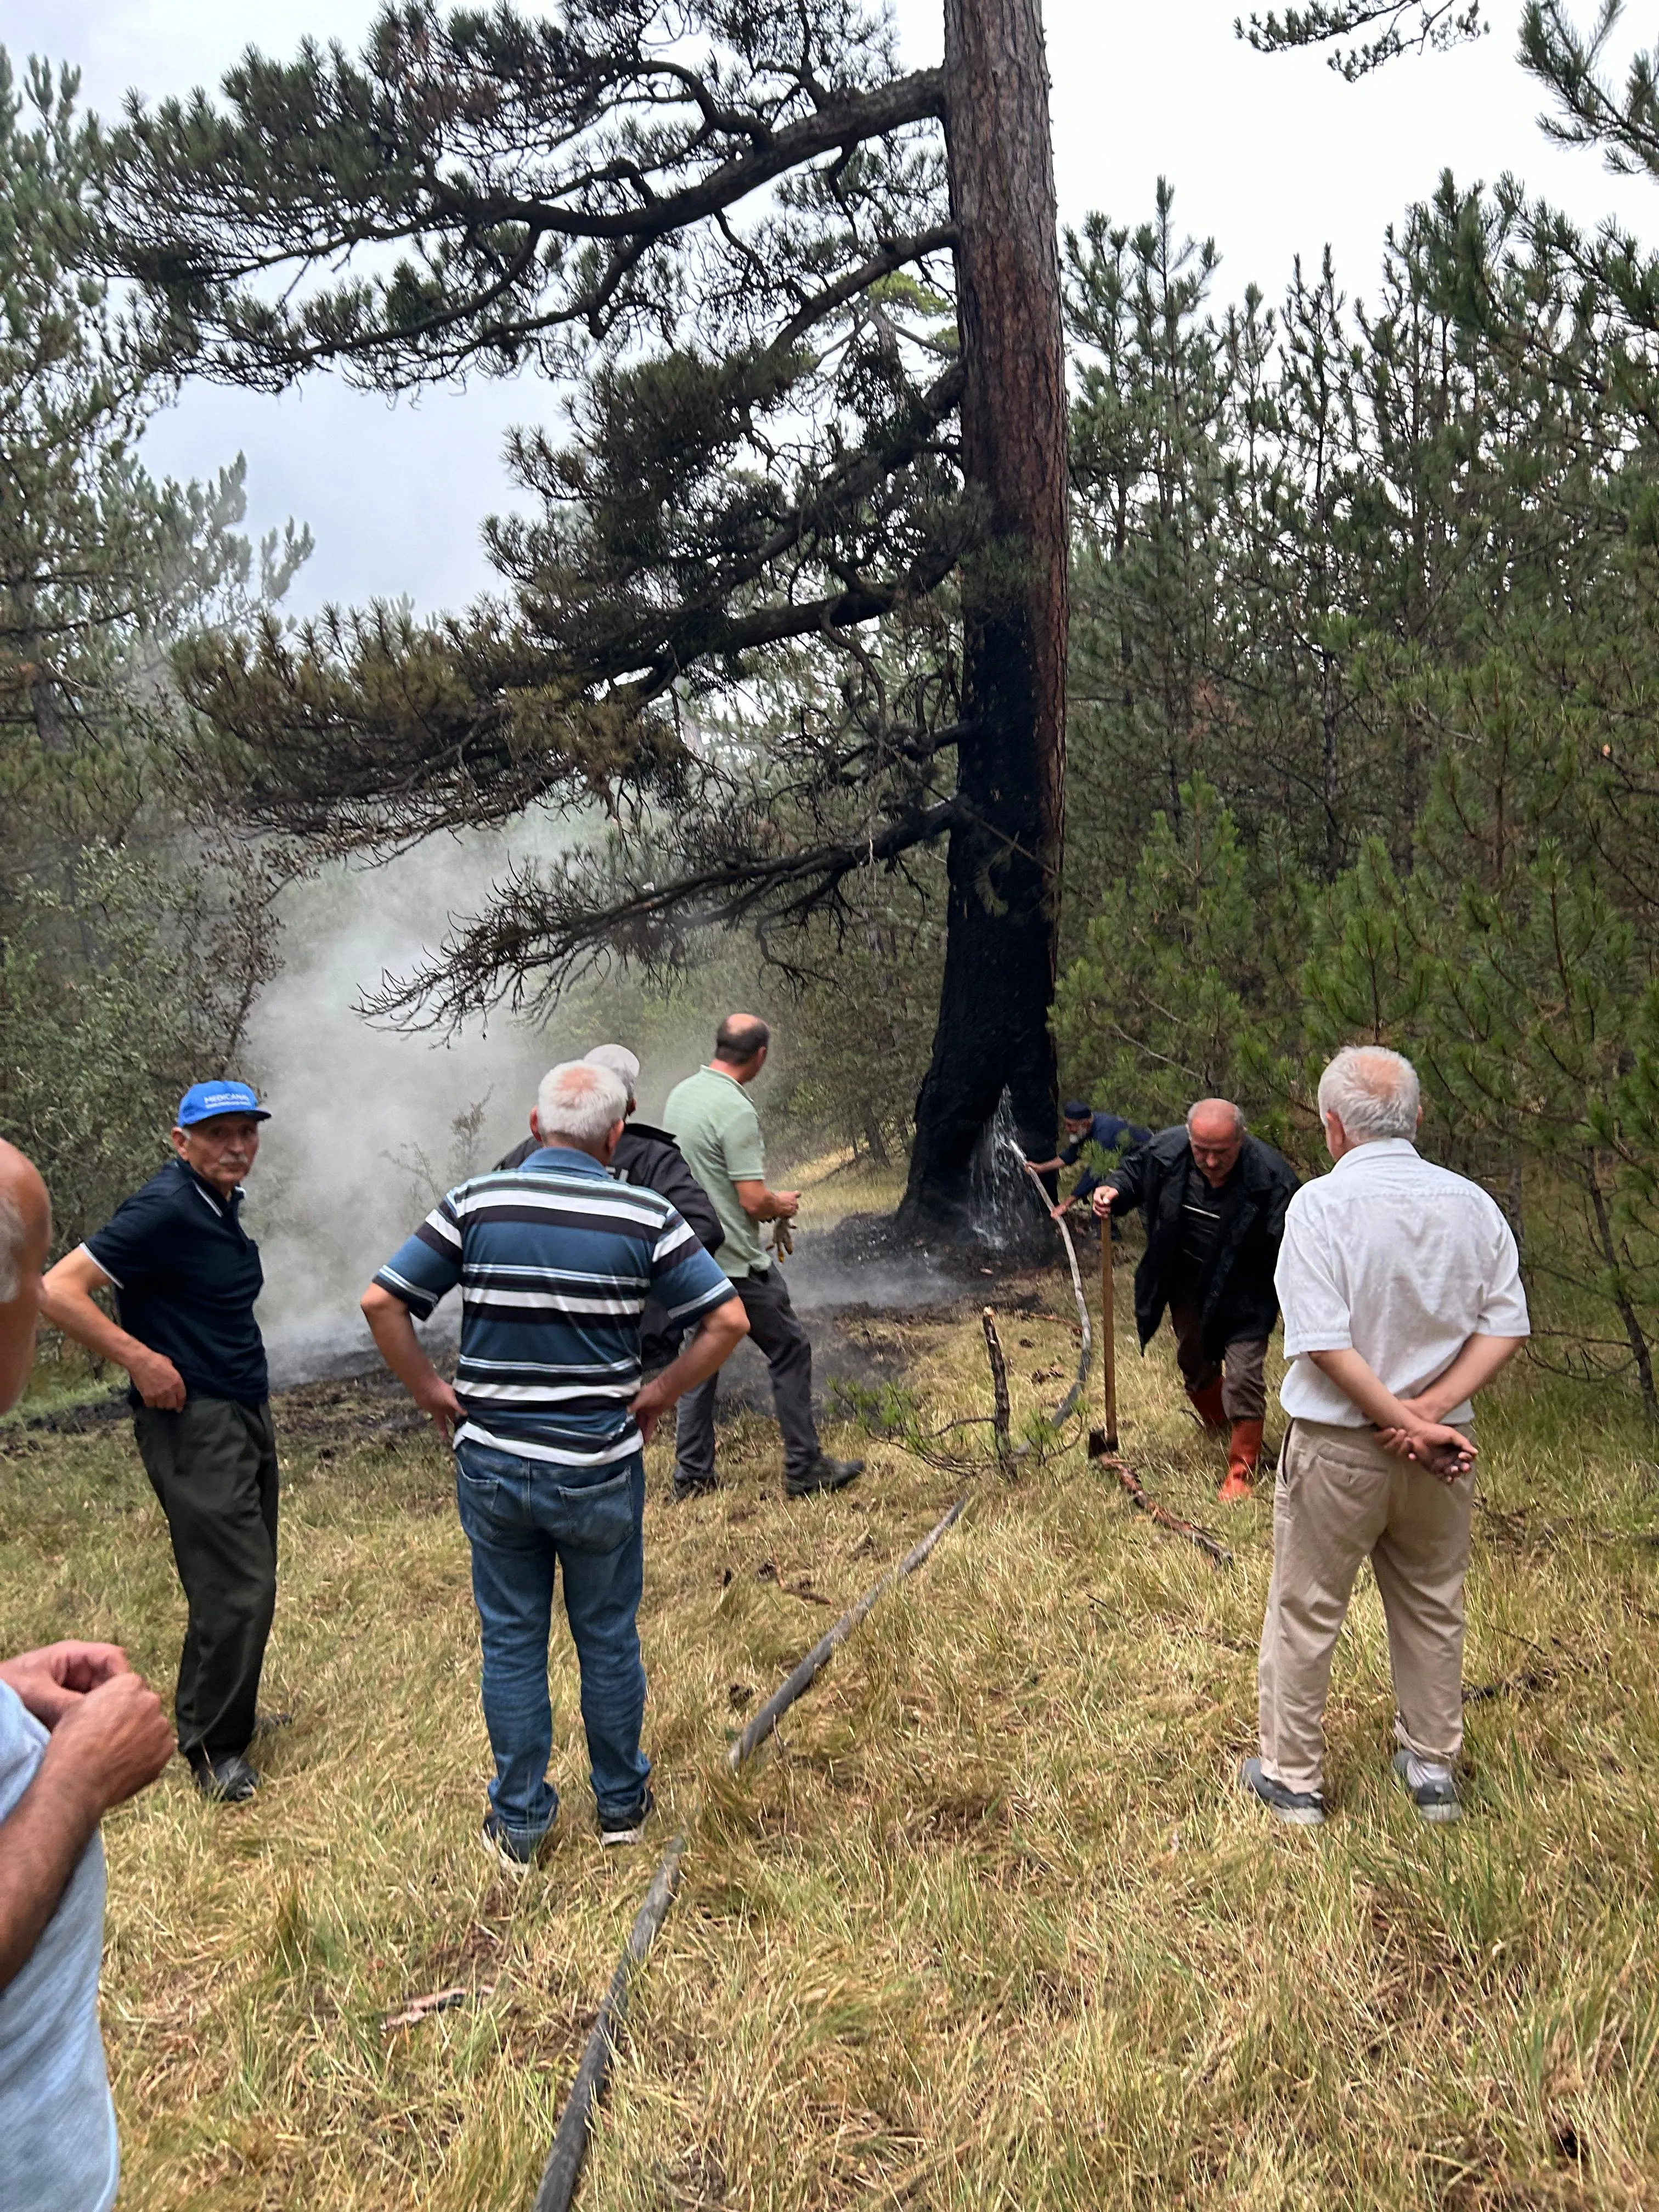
point(1400, 1289)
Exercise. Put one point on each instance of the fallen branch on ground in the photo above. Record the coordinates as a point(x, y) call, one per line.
point(1512, 1685)
point(988, 1322)
point(1069, 1404)
point(419, 2008)
point(1130, 1483)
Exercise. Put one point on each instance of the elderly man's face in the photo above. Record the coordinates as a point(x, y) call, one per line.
point(222, 1149)
point(1076, 1126)
point(1216, 1142)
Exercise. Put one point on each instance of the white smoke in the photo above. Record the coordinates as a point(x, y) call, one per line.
point(370, 1125)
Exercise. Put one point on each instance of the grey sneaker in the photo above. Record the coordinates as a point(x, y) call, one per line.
point(823, 1473)
point(226, 1781)
point(1302, 1808)
point(1435, 1796)
point(615, 1834)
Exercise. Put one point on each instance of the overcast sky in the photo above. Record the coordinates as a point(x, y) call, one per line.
point(1270, 157)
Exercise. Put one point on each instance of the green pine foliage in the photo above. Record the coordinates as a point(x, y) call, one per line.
point(129, 954)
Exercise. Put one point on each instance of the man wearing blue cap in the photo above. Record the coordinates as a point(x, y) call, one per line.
point(185, 1275)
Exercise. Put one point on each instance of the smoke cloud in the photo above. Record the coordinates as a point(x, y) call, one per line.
point(369, 1125)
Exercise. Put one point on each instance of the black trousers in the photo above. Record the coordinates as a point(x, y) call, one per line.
point(775, 1330)
point(213, 1465)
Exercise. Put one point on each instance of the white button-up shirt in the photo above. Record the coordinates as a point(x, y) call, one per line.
point(1399, 1260)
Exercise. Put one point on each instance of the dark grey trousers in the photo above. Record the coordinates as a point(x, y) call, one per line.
point(213, 1465)
point(774, 1331)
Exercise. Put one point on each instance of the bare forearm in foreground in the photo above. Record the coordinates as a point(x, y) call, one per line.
point(111, 1743)
point(42, 1841)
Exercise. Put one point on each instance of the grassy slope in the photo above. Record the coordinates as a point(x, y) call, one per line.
point(990, 1928)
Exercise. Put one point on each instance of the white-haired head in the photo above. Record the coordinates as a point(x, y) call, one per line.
point(1372, 1092)
point(579, 1104)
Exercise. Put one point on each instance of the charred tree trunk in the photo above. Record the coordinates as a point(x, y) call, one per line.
point(1004, 862)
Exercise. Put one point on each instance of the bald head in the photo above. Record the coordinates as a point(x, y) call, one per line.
point(25, 1234)
point(740, 1045)
point(1215, 1130)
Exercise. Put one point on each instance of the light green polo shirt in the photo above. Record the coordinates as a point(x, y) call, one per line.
point(710, 1118)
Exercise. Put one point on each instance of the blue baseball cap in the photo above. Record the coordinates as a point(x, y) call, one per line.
point(204, 1101)
point(1076, 1110)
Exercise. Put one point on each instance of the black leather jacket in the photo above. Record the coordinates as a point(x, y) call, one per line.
point(1237, 1297)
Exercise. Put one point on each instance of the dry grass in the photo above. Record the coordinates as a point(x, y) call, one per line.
point(988, 1928)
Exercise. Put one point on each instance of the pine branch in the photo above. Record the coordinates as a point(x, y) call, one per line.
point(1434, 27)
point(541, 175)
point(539, 930)
point(1591, 111)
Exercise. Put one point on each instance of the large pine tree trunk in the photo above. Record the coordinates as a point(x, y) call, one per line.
point(1003, 864)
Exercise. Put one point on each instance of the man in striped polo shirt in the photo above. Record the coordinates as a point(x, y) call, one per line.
point(555, 1262)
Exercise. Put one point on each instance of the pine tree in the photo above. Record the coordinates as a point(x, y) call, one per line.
point(818, 416)
point(128, 962)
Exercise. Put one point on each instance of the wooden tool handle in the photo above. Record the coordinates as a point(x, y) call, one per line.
point(1108, 1335)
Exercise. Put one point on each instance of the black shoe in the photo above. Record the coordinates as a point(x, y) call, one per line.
point(1303, 1808)
point(823, 1473)
point(225, 1781)
point(694, 1485)
point(614, 1833)
point(505, 1849)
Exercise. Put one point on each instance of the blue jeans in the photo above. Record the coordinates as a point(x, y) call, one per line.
point(523, 1517)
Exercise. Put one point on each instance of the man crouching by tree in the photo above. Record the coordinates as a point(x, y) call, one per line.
point(1402, 1298)
point(185, 1275)
point(555, 1262)
point(1213, 1200)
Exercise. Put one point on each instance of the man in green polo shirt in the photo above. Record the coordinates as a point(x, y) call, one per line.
point(712, 1120)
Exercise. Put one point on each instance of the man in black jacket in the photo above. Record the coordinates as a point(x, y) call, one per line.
point(1213, 1200)
point(650, 1158)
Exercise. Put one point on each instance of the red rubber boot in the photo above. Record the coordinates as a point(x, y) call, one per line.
point(1241, 1456)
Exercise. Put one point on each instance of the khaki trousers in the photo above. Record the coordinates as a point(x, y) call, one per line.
point(1339, 1500)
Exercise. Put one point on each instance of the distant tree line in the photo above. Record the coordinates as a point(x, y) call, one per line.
point(1365, 665)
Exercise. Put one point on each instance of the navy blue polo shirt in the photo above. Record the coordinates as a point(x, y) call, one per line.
point(186, 1274)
